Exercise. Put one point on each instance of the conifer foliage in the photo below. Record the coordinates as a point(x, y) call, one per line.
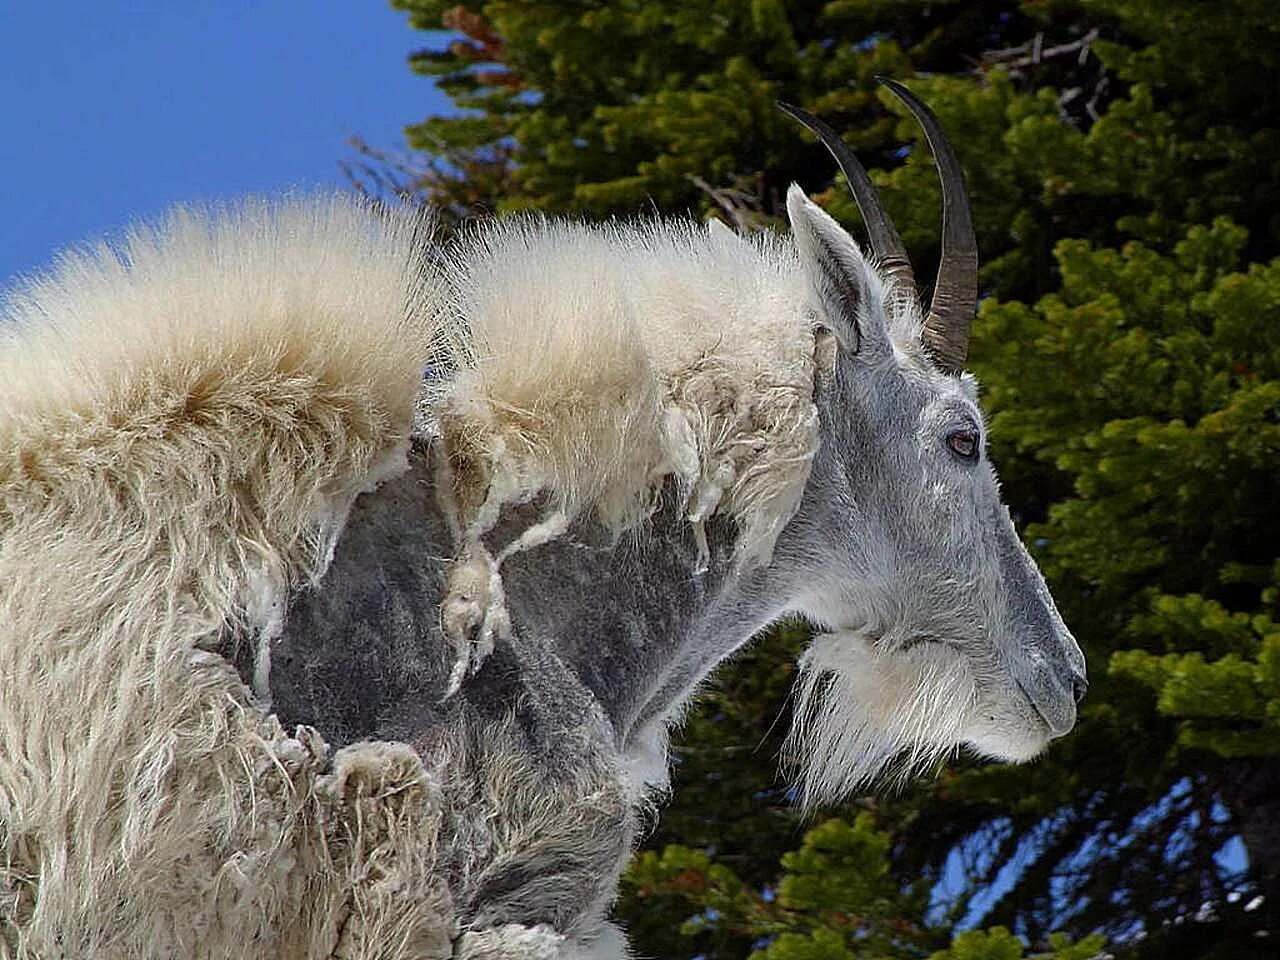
point(1124, 162)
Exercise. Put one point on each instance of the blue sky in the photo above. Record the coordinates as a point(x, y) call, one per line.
point(113, 110)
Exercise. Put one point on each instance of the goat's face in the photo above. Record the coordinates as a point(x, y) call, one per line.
point(942, 631)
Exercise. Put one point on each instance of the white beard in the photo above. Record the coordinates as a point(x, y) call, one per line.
point(863, 714)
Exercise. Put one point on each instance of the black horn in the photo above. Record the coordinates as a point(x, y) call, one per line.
point(955, 293)
point(885, 242)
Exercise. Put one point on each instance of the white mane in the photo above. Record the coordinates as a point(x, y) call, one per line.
point(184, 421)
point(589, 365)
point(594, 362)
point(229, 284)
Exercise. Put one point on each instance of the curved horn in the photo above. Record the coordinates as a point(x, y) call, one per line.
point(885, 242)
point(955, 294)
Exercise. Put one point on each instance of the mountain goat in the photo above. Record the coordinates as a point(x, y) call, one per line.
point(349, 584)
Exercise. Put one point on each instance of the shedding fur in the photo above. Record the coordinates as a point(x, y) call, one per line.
point(593, 363)
point(184, 421)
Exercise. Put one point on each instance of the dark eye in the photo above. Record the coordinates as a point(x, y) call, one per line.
point(964, 444)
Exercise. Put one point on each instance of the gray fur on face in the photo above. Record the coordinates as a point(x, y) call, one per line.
point(948, 634)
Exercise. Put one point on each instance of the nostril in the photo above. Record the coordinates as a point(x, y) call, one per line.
point(1079, 687)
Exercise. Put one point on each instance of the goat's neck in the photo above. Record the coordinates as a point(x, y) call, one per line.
point(636, 621)
point(641, 620)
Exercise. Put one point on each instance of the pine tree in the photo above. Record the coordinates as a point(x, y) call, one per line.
point(837, 898)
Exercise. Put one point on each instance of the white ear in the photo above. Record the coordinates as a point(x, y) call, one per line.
point(846, 286)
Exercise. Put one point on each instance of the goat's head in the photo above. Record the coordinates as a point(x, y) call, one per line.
point(942, 631)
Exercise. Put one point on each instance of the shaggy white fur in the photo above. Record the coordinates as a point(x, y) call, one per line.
point(184, 422)
point(592, 363)
point(866, 715)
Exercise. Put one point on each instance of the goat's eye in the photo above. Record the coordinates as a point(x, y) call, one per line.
point(964, 444)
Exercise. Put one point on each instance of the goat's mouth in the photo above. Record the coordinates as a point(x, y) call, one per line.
point(882, 643)
point(1010, 732)
point(1037, 712)
point(1056, 713)
point(1053, 692)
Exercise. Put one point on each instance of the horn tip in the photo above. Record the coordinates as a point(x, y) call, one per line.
point(791, 110)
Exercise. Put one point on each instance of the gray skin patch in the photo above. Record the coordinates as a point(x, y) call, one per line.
point(360, 653)
point(362, 656)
